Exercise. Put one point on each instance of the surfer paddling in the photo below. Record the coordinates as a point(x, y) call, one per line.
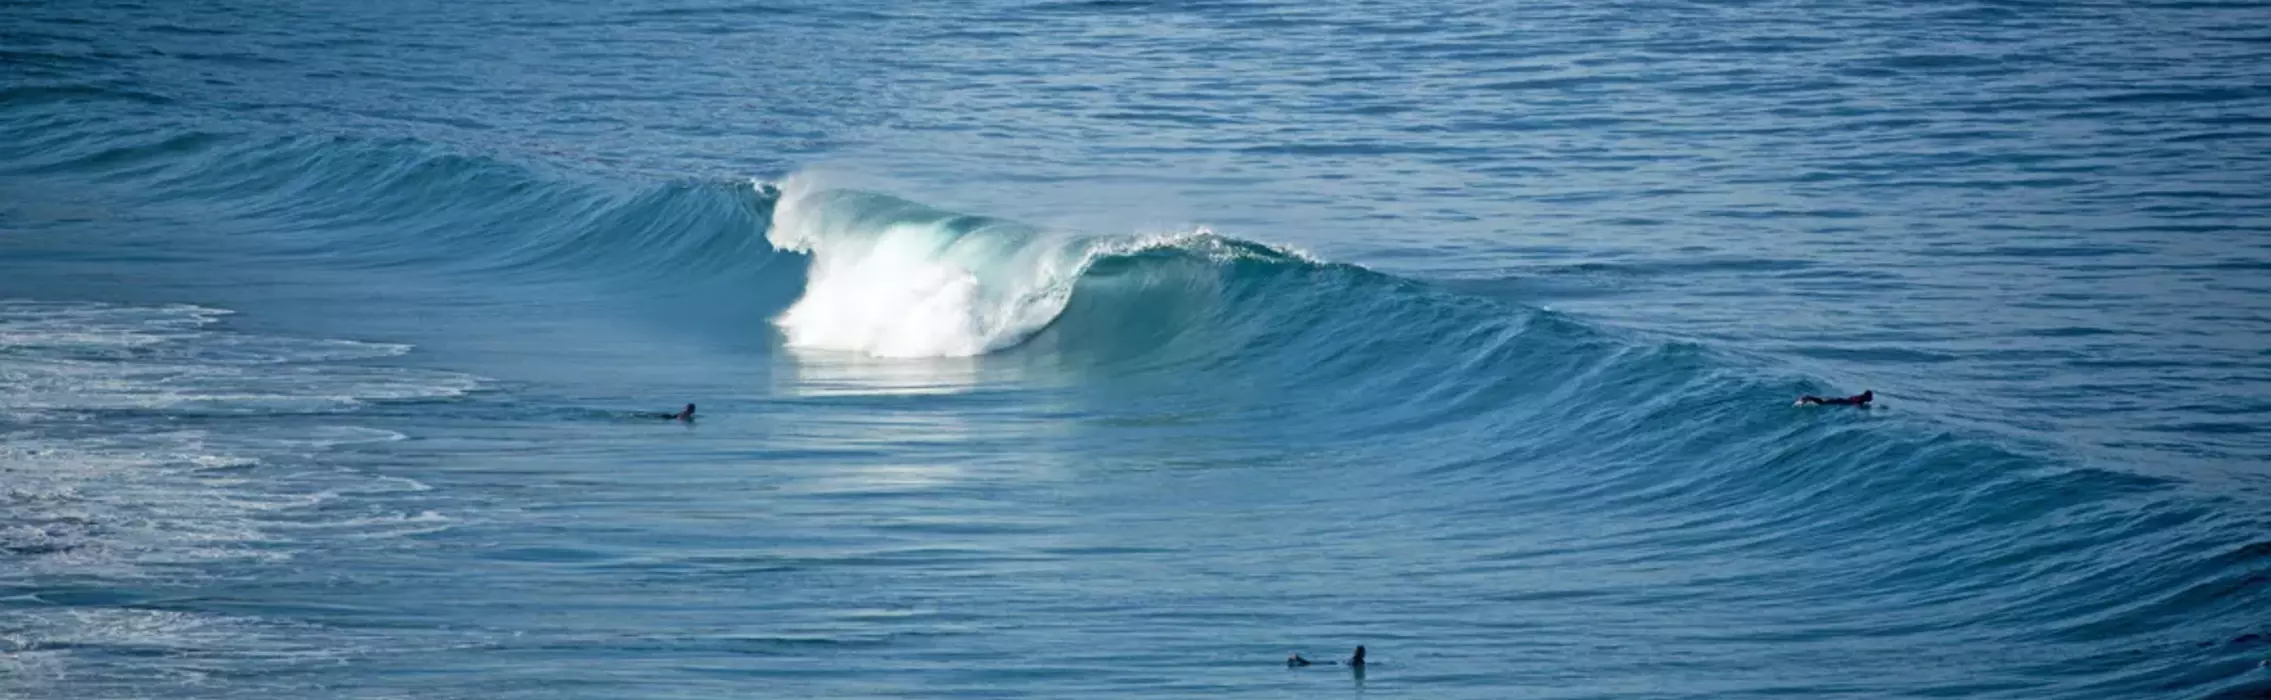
point(685, 415)
point(1294, 660)
point(1861, 400)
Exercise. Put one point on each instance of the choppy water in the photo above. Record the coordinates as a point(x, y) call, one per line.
point(1117, 349)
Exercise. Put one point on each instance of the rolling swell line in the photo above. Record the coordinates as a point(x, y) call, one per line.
point(1673, 453)
point(1504, 418)
point(408, 206)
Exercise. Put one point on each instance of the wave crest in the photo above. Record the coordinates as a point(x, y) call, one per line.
point(894, 278)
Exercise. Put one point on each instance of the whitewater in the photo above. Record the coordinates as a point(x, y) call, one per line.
point(1121, 349)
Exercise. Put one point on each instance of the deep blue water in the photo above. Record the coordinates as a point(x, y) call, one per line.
point(1118, 349)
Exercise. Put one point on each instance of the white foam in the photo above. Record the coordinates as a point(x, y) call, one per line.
point(58, 357)
point(893, 279)
point(37, 385)
point(915, 287)
point(407, 484)
point(129, 506)
point(305, 438)
point(74, 652)
point(113, 505)
point(125, 497)
point(925, 284)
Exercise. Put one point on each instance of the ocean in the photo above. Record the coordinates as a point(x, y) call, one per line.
point(1122, 348)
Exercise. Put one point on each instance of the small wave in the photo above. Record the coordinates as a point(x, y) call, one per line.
point(407, 484)
point(22, 95)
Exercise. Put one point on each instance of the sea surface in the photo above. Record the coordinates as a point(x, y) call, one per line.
point(1118, 349)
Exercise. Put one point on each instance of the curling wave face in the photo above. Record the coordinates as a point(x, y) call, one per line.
point(893, 278)
point(897, 279)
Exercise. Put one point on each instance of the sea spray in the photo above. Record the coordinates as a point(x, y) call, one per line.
point(893, 278)
point(897, 279)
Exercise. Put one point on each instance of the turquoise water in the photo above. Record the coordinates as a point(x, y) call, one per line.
point(1118, 349)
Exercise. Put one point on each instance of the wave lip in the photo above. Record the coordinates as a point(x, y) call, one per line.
point(893, 278)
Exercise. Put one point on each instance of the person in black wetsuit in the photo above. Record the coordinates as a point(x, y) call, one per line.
point(1294, 660)
point(1861, 399)
point(685, 415)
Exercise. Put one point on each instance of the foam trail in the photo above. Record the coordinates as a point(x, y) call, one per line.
point(893, 278)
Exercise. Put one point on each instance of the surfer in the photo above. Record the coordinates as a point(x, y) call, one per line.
point(1861, 399)
point(685, 415)
point(1294, 660)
